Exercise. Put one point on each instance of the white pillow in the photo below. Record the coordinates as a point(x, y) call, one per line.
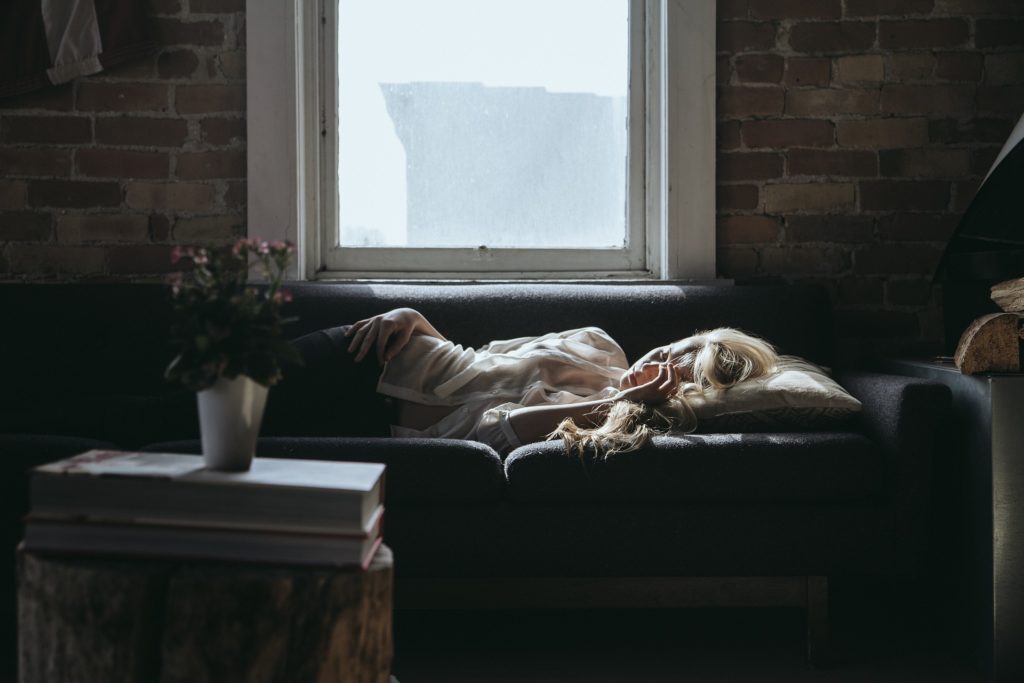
point(797, 396)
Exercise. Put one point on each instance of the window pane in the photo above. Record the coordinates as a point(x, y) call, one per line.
point(477, 122)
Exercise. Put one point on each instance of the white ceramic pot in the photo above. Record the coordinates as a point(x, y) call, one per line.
point(230, 413)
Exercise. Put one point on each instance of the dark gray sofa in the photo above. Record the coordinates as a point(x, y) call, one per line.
point(84, 368)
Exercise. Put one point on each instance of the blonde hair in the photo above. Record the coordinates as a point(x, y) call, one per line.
point(725, 356)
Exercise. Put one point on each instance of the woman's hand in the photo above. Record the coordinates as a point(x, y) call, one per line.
point(388, 333)
point(652, 383)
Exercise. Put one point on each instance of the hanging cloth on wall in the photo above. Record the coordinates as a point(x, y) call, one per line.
point(44, 42)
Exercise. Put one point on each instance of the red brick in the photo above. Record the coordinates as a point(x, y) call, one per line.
point(814, 197)
point(917, 227)
point(216, 6)
point(795, 9)
point(732, 9)
point(723, 69)
point(780, 134)
point(927, 99)
point(119, 163)
point(13, 194)
point(882, 133)
point(24, 226)
point(177, 64)
point(139, 68)
point(829, 228)
point(959, 66)
point(165, 6)
point(736, 197)
point(207, 99)
point(889, 195)
point(924, 163)
point(927, 33)
point(963, 194)
point(1002, 99)
point(914, 292)
point(860, 68)
point(747, 229)
point(802, 71)
point(830, 102)
point(911, 66)
point(749, 101)
point(53, 130)
point(59, 98)
point(174, 196)
point(177, 32)
point(204, 165)
point(222, 131)
point(749, 166)
point(976, 8)
point(111, 227)
point(744, 36)
point(728, 135)
point(73, 193)
point(999, 33)
point(28, 161)
point(117, 97)
point(1004, 69)
point(876, 323)
point(982, 160)
point(141, 131)
point(208, 228)
point(842, 163)
point(759, 68)
point(46, 259)
point(141, 258)
point(232, 64)
point(735, 263)
point(832, 37)
point(159, 227)
point(235, 196)
point(790, 260)
point(876, 8)
point(884, 259)
point(860, 290)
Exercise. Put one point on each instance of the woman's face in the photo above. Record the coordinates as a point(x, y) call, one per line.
point(681, 354)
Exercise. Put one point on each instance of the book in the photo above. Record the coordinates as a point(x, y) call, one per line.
point(44, 534)
point(302, 496)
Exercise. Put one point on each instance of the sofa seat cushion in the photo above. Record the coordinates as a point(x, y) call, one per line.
point(418, 470)
point(700, 468)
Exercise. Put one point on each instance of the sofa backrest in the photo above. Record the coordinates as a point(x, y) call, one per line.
point(87, 359)
point(796, 318)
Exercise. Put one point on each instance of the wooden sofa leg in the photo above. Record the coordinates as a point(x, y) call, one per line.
point(817, 621)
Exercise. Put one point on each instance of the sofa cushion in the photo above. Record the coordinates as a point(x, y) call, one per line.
point(418, 470)
point(746, 468)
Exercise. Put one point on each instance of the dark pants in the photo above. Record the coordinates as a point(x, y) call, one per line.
point(329, 395)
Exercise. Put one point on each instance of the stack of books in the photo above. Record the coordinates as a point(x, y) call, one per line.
point(308, 512)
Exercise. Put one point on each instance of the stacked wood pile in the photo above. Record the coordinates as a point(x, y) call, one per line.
point(992, 342)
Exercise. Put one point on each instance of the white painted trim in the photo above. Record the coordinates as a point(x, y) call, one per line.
point(290, 167)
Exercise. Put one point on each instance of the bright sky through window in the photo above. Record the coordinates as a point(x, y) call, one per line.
point(461, 121)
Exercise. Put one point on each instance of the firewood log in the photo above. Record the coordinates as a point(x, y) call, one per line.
point(1009, 295)
point(990, 344)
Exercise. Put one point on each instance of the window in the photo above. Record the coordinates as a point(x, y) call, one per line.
point(468, 139)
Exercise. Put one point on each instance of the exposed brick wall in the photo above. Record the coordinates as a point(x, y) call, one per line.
point(852, 134)
point(100, 177)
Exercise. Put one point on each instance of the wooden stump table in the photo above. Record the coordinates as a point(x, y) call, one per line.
point(93, 620)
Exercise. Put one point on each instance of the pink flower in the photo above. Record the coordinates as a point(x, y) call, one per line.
point(282, 296)
point(200, 257)
point(177, 253)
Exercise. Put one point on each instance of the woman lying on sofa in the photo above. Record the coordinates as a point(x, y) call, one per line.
point(576, 385)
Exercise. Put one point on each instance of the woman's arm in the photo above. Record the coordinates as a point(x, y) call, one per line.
point(533, 423)
point(389, 332)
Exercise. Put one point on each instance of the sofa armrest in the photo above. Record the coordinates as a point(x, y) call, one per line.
point(903, 415)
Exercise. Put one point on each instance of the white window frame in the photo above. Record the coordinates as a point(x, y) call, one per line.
point(292, 188)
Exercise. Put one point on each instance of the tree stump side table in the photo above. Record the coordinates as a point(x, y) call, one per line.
point(86, 620)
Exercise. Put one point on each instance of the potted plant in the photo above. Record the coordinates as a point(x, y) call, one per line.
point(230, 343)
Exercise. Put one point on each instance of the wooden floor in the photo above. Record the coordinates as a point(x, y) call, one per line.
point(878, 635)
